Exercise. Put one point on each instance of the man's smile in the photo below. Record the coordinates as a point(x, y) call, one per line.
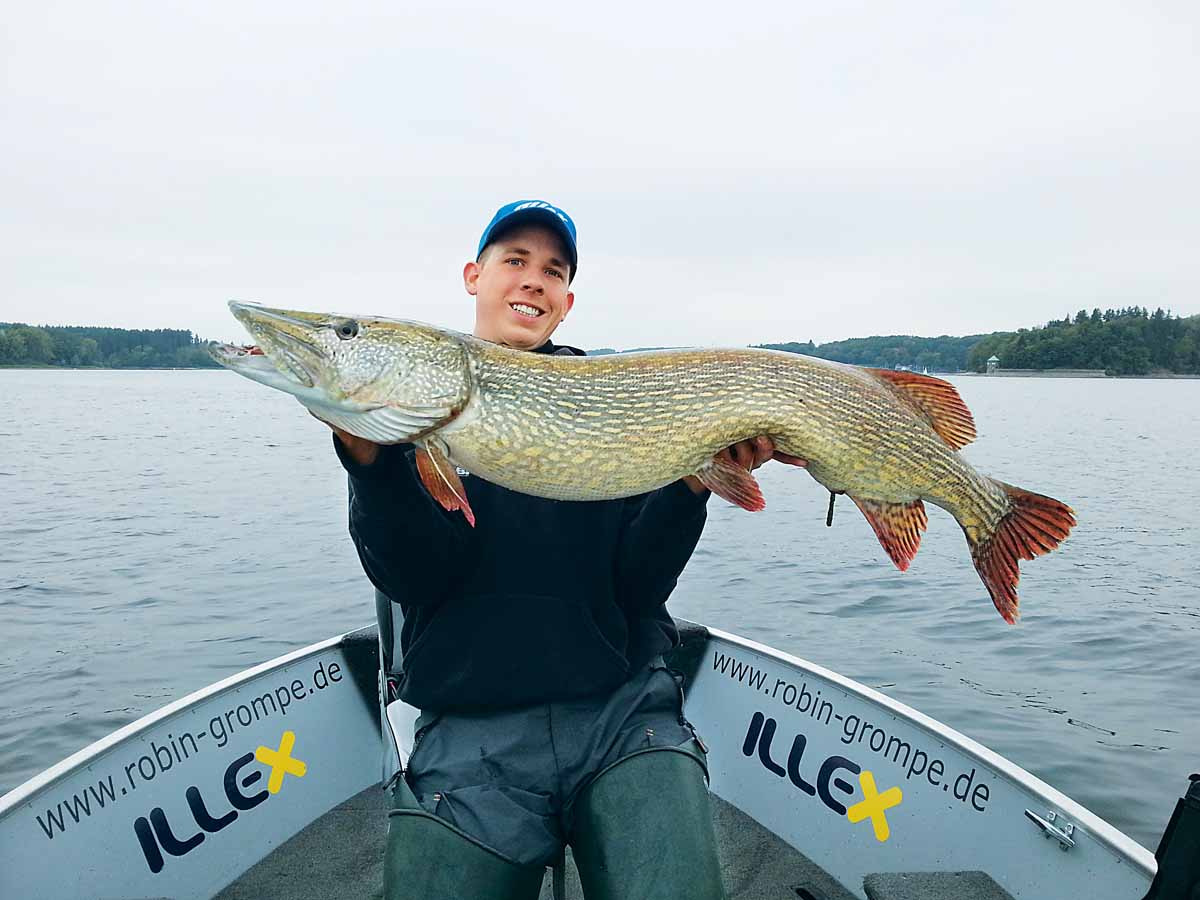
point(531, 312)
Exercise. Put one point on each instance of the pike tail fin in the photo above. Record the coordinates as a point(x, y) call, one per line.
point(1034, 525)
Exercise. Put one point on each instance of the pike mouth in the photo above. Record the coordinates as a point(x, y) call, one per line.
point(279, 340)
point(253, 363)
point(221, 351)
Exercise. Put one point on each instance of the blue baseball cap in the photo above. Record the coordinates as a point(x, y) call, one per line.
point(521, 212)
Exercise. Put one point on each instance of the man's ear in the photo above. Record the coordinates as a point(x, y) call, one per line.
point(570, 303)
point(471, 277)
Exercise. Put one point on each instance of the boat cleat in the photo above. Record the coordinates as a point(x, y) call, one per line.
point(1054, 826)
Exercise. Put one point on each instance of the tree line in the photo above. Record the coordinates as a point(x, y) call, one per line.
point(937, 354)
point(1128, 341)
point(114, 348)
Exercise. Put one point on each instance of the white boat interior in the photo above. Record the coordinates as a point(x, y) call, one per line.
point(268, 784)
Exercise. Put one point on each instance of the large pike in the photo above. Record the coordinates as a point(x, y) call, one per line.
point(596, 428)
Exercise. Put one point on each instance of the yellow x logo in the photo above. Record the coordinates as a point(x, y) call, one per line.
point(873, 805)
point(281, 761)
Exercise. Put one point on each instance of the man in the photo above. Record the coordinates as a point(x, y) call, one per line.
point(533, 645)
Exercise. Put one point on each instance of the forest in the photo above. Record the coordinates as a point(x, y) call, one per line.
point(937, 354)
point(1129, 341)
point(111, 348)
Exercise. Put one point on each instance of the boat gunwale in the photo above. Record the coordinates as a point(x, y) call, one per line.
point(1103, 832)
point(23, 792)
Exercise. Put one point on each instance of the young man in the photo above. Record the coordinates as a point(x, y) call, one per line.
point(533, 645)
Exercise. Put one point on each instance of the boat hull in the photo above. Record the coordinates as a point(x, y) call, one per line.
point(861, 785)
point(182, 801)
point(864, 785)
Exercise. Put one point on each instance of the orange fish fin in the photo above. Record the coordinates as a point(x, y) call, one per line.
point(727, 479)
point(938, 402)
point(1033, 525)
point(438, 475)
point(898, 527)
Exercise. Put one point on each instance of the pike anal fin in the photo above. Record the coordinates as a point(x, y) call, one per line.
point(438, 475)
point(898, 527)
point(728, 480)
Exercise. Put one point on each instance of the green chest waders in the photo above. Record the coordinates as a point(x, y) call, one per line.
point(643, 830)
point(429, 859)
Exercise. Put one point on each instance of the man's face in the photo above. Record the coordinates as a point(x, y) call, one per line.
point(520, 287)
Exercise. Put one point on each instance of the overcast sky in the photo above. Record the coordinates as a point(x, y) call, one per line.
point(739, 172)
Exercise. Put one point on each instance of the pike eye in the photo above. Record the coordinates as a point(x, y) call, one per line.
point(346, 329)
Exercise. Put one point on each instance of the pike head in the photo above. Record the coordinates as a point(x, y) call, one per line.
point(385, 380)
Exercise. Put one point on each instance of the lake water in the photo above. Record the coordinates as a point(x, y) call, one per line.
point(162, 530)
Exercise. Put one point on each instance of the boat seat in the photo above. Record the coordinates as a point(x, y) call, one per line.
point(933, 886)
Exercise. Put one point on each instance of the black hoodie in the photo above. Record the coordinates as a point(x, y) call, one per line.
point(543, 600)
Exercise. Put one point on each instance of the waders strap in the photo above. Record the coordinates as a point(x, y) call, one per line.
point(559, 875)
point(387, 631)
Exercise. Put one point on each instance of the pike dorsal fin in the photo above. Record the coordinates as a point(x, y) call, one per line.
point(441, 480)
point(937, 401)
point(898, 527)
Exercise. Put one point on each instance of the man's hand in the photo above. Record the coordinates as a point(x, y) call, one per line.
point(361, 450)
point(749, 454)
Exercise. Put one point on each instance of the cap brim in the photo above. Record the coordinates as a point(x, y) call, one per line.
point(539, 217)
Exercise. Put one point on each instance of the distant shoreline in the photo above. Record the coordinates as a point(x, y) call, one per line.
point(1050, 373)
point(1127, 342)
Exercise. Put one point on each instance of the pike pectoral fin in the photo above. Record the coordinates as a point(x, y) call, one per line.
point(937, 401)
point(727, 479)
point(383, 425)
point(442, 482)
point(898, 527)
